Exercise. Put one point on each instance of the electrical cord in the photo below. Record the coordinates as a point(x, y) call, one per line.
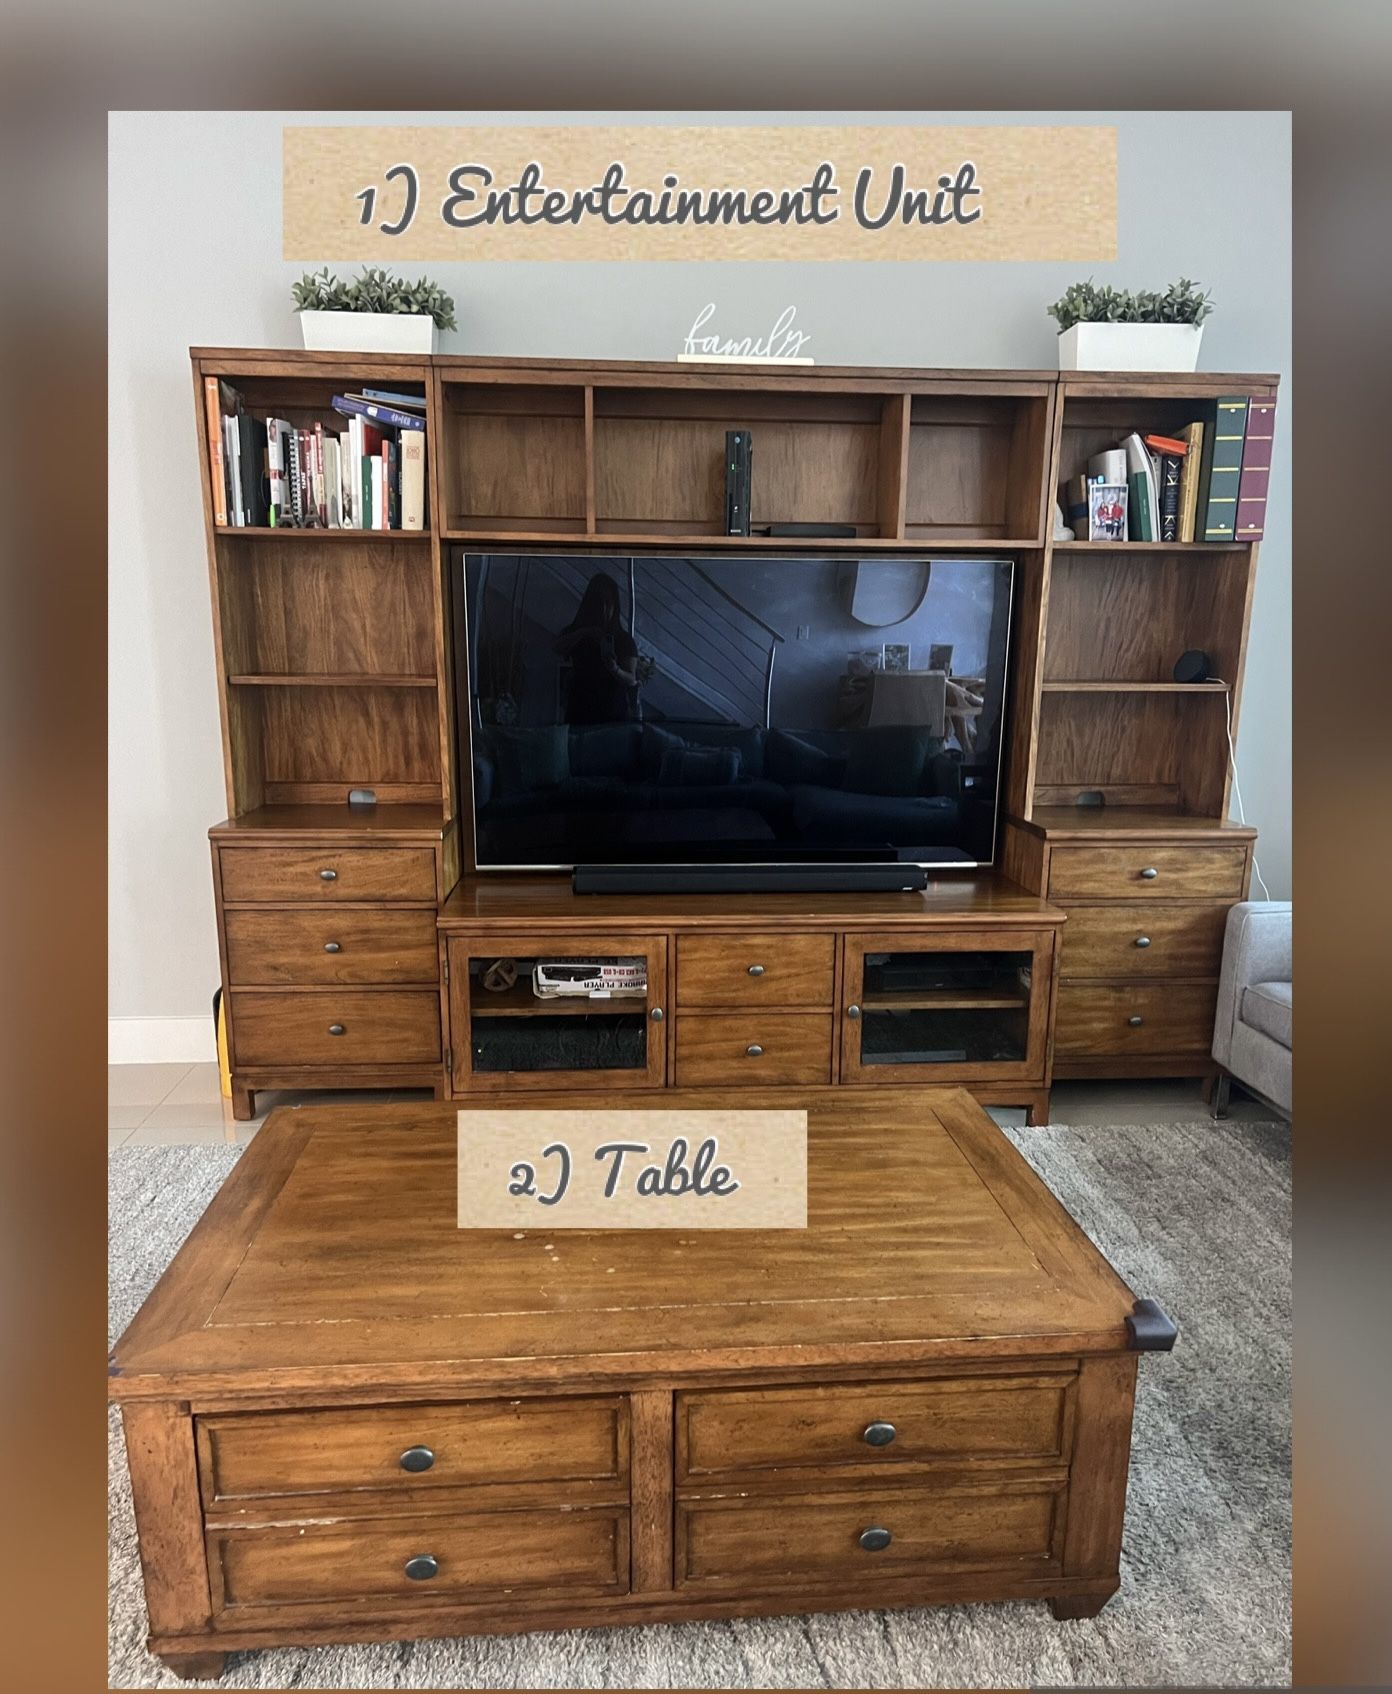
point(1236, 786)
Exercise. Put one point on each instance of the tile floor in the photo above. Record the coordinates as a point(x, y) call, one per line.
point(162, 1105)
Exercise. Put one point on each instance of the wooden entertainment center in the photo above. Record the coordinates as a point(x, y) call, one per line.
point(351, 936)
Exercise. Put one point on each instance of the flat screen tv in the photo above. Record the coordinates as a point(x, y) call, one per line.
point(732, 710)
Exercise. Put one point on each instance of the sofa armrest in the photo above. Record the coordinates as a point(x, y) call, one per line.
point(1256, 948)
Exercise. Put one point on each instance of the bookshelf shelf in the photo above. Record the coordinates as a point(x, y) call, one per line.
point(330, 679)
point(1135, 688)
point(1106, 547)
point(712, 542)
point(286, 532)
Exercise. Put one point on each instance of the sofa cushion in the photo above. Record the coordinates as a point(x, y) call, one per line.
point(791, 759)
point(887, 760)
point(698, 767)
point(605, 750)
point(529, 758)
point(1266, 1007)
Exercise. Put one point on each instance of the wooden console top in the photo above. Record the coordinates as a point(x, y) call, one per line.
point(958, 901)
point(331, 1259)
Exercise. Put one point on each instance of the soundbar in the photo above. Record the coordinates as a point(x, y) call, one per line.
point(870, 878)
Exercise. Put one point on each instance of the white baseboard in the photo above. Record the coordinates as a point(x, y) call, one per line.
point(160, 1041)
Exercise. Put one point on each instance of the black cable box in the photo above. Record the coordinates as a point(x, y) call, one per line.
point(809, 531)
point(888, 877)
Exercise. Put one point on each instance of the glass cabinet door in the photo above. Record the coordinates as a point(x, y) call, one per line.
point(586, 1013)
point(968, 1005)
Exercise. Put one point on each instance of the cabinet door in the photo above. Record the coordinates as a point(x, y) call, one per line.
point(966, 1005)
point(513, 1025)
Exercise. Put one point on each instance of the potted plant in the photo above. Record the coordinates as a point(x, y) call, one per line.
point(375, 313)
point(1110, 329)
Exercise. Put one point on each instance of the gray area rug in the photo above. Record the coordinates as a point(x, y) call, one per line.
point(1195, 1215)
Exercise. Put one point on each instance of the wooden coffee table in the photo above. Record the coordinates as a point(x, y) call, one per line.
point(348, 1420)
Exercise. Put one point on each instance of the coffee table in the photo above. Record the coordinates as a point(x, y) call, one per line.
point(348, 1420)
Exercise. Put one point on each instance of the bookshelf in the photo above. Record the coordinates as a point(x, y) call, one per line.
point(334, 655)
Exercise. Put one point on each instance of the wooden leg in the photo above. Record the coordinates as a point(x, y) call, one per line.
point(1222, 1088)
point(242, 1102)
point(195, 1667)
point(1037, 1111)
point(1069, 1607)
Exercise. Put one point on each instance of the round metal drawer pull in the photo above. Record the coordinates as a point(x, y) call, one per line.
point(755, 1051)
point(852, 1011)
point(332, 947)
point(756, 970)
point(328, 876)
point(1150, 873)
point(336, 1029)
point(422, 1567)
point(879, 1433)
point(1135, 1021)
point(1143, 941)
point(875, 1540)
point(417, 1459)
point(657, 1014)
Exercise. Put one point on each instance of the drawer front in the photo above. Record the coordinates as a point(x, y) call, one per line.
point(732, 1433)
point(473, 1555)
point(254, 1455)
point(328, 873)
point(752, 970)
point(1119, 872)
point(1098, 1018)
point(1143, 940)
point(752, 1047)
point(321, 947)
point(349, 1026)
point(760, 1541)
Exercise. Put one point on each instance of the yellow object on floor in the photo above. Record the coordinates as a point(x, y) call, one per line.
point(224, 1066)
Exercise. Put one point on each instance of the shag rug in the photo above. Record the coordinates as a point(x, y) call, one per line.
point(1196, 1215)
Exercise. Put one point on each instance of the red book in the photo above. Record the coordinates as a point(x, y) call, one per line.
point(1256, 471)
point(1167, 444)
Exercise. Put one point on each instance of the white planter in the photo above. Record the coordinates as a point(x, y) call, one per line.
point(368, 332)
point(1130, 347)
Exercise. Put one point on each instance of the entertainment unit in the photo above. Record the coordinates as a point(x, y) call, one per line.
point(340, 653)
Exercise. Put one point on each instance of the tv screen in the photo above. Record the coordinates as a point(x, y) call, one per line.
point(736, 709)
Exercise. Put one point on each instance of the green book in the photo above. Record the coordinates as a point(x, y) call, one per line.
point(365, 466)
point(1138, 508)
point(1222, 470)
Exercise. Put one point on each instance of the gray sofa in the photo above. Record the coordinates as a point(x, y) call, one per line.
point(1252, 1032)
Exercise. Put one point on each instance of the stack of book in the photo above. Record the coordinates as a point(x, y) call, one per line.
point(1205, 482)
point(268, 473)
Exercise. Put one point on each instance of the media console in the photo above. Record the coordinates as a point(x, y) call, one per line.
point(954, 984)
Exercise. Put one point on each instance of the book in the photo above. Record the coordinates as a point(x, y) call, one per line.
point(371, 438)
point(1143, 510)
point(1256, 471)
point(1222, 470)
point(277, 470)
point(1193, 435)
point(231, 447)
point(391, 484)
point(347, 404)
point(217, 486)
point(333, 507)
point(251, 458)
point(384, 396)
point(413, 480)
point(295, 475)
point(347, 506)
point(1109, 467)
point(379, 506)
point(1168, 470)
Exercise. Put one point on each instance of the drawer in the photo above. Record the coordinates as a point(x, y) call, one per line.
point(735, 1432)
point(1097, 1018)
point(759, 1541)
point(752, 1047)
point(749, 970)
point(253, 1455)
point(328, 873)
point(1143, 940)
point(320, 948)
point(473, 1555)
point(377, 1027)
point(1118, 872)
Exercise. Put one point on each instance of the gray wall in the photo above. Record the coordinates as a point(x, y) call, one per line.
point(194, 204)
